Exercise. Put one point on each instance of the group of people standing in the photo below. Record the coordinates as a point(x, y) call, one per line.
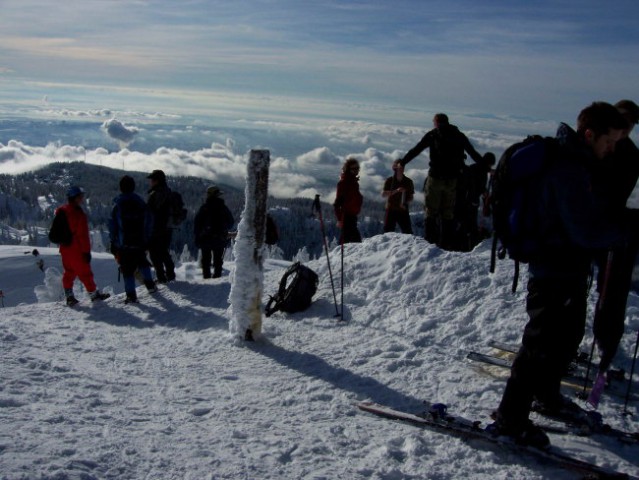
point(452, 190)
point(582, 198)
point(137, 227)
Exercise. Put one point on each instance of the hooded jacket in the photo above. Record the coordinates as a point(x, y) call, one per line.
point(79, 225)
point(574, 224)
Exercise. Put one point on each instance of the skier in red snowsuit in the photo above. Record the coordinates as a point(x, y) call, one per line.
point(76, 256)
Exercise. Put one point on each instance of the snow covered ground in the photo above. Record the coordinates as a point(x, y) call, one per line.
point(159, 390)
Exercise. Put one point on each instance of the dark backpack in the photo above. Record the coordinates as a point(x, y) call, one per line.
point(60, 231)
point(132, 218)
point(517, 220)
point(297, 287)
point(177, 212)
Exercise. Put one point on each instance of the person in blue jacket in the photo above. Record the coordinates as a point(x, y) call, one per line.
point(574, 229)
point(130, 228)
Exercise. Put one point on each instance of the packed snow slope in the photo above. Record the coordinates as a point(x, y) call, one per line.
point(159, 389)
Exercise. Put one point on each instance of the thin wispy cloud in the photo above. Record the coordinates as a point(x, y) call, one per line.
point(483, 56)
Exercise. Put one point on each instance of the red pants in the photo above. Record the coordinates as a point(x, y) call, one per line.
point(75, 266)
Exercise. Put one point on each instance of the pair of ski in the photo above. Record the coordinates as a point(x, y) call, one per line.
point(438, 418)
point(576, 373)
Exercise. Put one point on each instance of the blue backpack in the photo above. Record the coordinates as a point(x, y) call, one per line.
point(517, 220)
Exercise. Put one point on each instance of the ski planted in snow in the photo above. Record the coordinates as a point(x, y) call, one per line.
point(438, 419)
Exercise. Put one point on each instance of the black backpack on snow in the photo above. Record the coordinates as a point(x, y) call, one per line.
point(297, 287)
point(177, 212)
point(60, 231)
point(517, 220)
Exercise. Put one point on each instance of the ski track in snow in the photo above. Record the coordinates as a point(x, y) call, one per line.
point(160, 390)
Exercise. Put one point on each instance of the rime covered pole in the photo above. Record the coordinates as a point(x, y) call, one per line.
point(247, 278)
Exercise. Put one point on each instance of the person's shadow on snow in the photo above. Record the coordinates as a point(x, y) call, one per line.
point(312, 366)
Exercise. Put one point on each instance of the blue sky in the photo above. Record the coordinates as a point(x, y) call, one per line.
point(543, 59)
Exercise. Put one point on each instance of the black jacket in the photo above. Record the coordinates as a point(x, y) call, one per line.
point(212, 223)
point(447, 146)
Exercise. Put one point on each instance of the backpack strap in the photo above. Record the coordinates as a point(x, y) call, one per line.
point(515, 277)
point(275, 302)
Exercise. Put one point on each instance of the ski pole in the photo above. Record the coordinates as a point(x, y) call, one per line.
point(632, 371)
point(599, 308)
point(318, 206)
point(342, 282)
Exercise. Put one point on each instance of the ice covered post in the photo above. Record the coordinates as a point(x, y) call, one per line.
point(247, 279)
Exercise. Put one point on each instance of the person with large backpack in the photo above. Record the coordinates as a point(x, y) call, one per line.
point(567, 227)
point(130, 229)
point(159, 202)
point(211, 227)
point(614, 182)
point(447, 145)
point(71, 230)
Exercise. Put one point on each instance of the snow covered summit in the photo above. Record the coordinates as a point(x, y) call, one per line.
point(159, 389)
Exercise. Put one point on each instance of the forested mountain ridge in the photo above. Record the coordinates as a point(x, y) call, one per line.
point(28, 200)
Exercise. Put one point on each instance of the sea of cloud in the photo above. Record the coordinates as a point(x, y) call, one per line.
point(306, 153)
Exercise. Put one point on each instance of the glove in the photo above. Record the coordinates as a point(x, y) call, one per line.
point(86, 257)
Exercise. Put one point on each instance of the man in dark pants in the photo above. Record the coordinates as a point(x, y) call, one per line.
point(614, 182)
point(447, 146)
point(212, 223)
point(160, 242)
point(573, 228)
point(399, 191)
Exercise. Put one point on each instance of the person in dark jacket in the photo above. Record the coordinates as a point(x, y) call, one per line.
point(399, 191)
point(574, 228)
point(348, 201)
point(160, 241)
point(76, 256)
point(472, 185)
point(212, 223)
point(130, 229)
point(614, 181)
point(447, 158)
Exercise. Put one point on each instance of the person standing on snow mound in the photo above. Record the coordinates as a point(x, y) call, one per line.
point(447, 146)
point(399, 190)
point(211, 227)
point(348, 202)
point(614, 181)
point(572, 227)
point(76, 256)
point(160, 242)
point(129, 230)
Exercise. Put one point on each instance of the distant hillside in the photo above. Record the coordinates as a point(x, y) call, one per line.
point(27, 203)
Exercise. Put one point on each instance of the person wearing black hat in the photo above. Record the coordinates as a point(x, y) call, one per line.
point(614, 182)
point(160, 242)
point(130, 230)
point(212, 223)
point(76, 255)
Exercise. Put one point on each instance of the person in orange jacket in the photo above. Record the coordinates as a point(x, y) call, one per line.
point(76, 255)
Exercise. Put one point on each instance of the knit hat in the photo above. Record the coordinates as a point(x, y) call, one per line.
point(74, 191)
point(127, 184)
point(213, 191)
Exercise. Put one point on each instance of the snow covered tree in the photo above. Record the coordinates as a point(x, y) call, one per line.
point(247, 278)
